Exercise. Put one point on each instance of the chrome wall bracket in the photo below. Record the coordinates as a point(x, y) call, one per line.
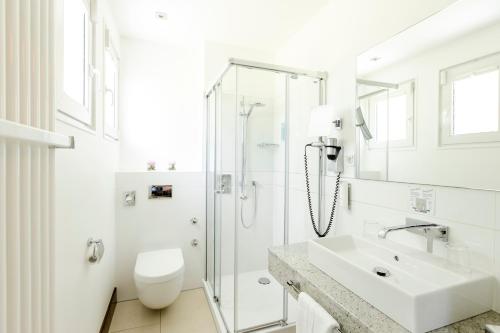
point(224, 184)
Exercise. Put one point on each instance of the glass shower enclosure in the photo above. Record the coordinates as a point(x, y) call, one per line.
point(252, 111)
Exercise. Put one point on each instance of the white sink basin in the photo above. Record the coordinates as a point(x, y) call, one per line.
point(421, 292)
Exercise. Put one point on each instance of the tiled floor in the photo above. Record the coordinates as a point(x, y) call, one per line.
point(189, 314)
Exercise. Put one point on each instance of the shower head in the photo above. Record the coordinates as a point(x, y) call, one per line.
point(252, 106)
point(360, 122)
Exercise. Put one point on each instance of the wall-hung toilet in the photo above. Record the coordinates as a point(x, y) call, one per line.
point(158, 277)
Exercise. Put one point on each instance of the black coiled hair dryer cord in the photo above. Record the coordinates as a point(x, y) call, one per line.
point(334, 204)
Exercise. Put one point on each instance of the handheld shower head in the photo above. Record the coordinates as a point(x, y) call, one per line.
point(360, 122)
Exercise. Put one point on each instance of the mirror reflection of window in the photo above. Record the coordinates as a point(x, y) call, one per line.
point(391, 115)
point(475, 104)
point(397, 129)
point(470, 101)
point(456, 66)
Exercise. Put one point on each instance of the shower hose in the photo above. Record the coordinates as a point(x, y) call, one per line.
point(248, 226)
point(309, 201)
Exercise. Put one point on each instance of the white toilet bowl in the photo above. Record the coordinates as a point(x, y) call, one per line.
point(158, 277)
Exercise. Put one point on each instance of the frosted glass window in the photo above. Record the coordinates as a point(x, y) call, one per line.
point(75, 51)
point(475, 104)
point(111, 94)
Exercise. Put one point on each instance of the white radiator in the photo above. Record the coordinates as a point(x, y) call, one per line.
point(27, 120)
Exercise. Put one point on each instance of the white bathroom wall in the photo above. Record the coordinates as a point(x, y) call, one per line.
point(162, 113)
point(154, 224)
point(331, 41)
point(85, 197)
point(161, 105)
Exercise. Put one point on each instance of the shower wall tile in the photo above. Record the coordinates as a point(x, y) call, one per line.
point(253, 242)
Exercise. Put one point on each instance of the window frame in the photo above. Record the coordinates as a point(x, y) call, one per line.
point(111, 131)
point(67, 107)
point(405, 88)
point(447, 77)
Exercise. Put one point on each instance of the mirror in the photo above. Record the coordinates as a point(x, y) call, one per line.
point(428, 101)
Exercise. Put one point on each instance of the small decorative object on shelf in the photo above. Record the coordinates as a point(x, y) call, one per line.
point(171, 166)
point(151, 165)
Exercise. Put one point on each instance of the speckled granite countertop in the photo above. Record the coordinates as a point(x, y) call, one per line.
point(353, 313)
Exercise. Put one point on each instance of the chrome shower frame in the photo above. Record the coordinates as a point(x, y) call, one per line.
point(291, 74)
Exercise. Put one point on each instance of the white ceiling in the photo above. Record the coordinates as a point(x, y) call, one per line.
point(258, 24)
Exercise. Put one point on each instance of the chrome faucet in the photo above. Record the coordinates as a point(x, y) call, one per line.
point(430, 231)
point(384, 231)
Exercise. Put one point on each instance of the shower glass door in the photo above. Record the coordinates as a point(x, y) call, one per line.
point(210, 189)
point(250, 207)
point(225, 195)
point(260, 204)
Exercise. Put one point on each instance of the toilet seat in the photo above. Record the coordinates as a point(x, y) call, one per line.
point(159, 266)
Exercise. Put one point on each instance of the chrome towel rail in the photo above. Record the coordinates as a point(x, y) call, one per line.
point(296, 287)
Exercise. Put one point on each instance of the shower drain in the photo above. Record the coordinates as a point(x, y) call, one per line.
point(264, 280)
